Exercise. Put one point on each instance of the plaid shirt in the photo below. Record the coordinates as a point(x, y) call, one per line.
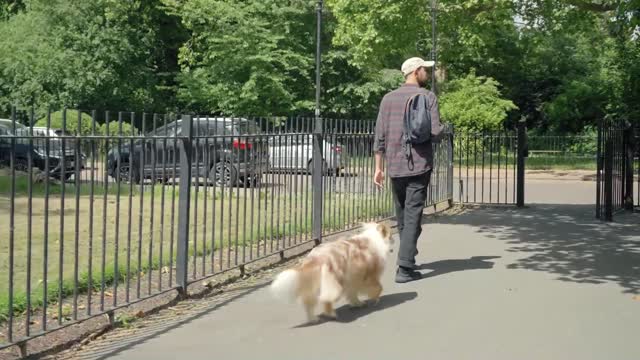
point(390, 128)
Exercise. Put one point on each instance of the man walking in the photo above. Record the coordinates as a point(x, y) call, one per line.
point(409, 167)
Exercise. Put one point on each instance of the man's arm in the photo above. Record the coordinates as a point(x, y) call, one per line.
point(379, 137)
point(379, 145)
point(379, 161)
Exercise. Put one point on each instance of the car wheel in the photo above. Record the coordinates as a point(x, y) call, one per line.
point(123, 173)
point(58, 176)
point(253, 180)
point(126, 174)
point(224, 174)
point(135, 176)
point(21, 165)
point(310, 167)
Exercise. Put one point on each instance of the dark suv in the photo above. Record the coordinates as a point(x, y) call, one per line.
point(226, 151)
point(38, 150)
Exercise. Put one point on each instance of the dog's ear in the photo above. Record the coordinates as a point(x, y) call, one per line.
point(384, 230)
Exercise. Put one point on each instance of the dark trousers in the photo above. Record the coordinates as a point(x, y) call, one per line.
point(409, 197)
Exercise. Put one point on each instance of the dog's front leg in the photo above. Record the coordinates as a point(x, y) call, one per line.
point(374, 292)
point(310, 307)
point(352, 297)
point(329, 311)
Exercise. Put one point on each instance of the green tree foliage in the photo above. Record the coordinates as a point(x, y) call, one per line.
point(69, 121)
point(576, 68)
point(74, 53)
point(559, 61)
point(566, 81)
point(384, 33)
point(116, 128)
point(352, 92)
point(252, 57)
point(475, 103)
point(563, 64)
point(9, 8)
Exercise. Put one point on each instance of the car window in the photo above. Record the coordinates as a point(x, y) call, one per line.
point(306, 140)
point(201, 128)
point(288, 141)
point(169, 130)
point(224, 128)
point(4, 131)
point(247, 127)
point(22, 133)
point(300, 139)
point(205, 128)
point(276, 141)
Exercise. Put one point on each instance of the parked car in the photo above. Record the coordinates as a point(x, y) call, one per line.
point(51, 133)
point(225, 152)
point(295, 153)
point(38, 151)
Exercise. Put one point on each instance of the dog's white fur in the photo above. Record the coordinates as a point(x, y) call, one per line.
point(346, 267)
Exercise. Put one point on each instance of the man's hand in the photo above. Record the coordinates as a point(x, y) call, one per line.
point(378, 178)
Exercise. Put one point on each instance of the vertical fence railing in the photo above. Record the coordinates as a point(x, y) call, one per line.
point(615, 168)
point(548, 152)
point(522, 153)
point(104, 210)
point(489, 166)
point(636, 162)
point(440, 188)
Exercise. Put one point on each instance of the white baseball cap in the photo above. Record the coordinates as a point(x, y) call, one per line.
point(413, 64)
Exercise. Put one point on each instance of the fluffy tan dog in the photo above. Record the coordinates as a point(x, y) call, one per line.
point(345, 267)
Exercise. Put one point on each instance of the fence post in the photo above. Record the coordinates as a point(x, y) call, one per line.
point(629, 149)
point(317, 174)
point(598, 170)
point(184, 204)
point(522, 144)
point(316, 181)
point(608, 180)
point(451, 159)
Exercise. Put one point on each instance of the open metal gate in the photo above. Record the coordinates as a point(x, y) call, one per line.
point(489, 166)
point(617, 151)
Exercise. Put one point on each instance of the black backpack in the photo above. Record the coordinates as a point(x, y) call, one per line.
point(417, 122)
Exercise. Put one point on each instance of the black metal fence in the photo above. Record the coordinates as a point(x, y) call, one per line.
point(567, 152)
point(636, 164)
point(635, 135)
point(617, 152)
point(489, 166)
point(100, 217)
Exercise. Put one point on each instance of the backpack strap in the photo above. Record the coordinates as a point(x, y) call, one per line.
point(406, 143)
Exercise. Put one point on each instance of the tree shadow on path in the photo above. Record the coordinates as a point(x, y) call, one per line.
point(565, 240)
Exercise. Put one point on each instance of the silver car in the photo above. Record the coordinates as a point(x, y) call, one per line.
point(295, 153)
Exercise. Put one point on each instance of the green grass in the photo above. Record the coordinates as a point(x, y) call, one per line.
point(531, 162)
point(561, 163)
point(39, 189)
point(292, 217)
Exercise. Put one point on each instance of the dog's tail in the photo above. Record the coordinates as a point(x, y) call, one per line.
point(285, 285)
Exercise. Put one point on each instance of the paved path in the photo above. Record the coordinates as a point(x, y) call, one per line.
point(546, 282)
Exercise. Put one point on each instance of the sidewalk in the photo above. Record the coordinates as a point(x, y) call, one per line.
point(546, 282)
